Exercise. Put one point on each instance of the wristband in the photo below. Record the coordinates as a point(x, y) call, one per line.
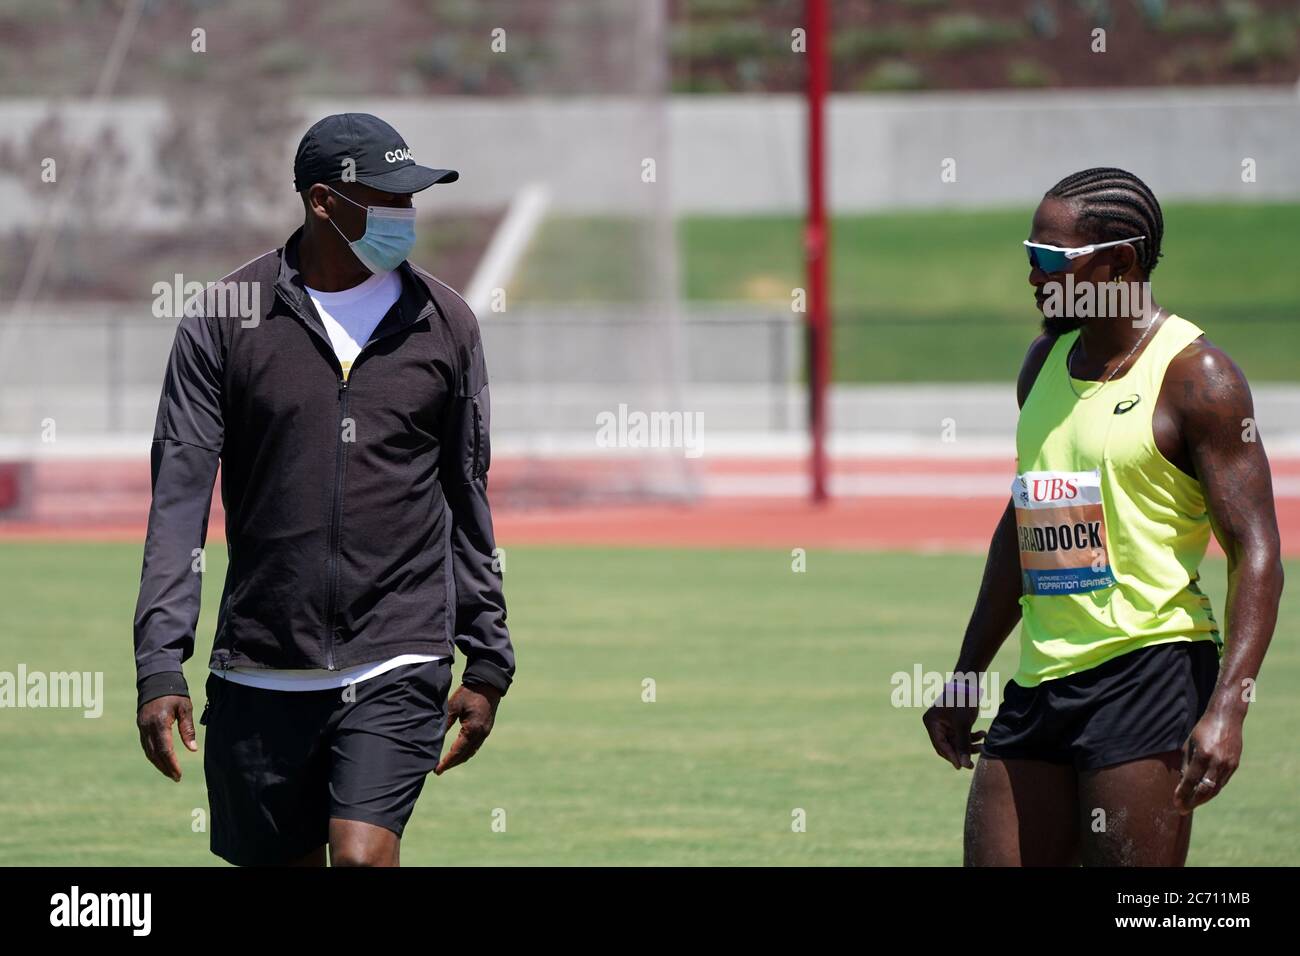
point(961, 693)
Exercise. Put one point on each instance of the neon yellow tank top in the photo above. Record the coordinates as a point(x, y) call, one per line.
point(1111, 534)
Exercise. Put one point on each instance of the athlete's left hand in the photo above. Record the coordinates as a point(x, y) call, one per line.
point(1210, 758)
point(476, 709)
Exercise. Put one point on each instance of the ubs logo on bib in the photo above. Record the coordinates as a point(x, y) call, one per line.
point(1061, 527)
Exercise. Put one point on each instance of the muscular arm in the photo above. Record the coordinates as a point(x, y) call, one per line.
point(997, 607)
point(1212, 406)
point(1217, 416)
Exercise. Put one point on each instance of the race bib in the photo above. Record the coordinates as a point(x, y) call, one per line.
point(1061, 526)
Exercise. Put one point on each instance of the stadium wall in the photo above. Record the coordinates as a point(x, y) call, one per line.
point(743, 154)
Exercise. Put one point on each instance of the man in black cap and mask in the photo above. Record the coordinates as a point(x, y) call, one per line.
point(349, 415)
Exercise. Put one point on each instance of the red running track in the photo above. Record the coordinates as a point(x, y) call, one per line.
point(873, 518)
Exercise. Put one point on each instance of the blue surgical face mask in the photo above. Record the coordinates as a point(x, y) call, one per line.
point(388, 239)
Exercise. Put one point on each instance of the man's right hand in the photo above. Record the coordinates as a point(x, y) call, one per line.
point(155, 721)
point(950, 733)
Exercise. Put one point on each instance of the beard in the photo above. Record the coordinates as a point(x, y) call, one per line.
point(1061, 324)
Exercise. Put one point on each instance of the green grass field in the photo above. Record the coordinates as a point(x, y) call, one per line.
point(944, 296)
point(773, 693)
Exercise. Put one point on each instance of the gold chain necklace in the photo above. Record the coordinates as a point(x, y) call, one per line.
point(1136, 345)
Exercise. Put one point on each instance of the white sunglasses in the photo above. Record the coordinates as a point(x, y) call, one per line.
point(1056, 258)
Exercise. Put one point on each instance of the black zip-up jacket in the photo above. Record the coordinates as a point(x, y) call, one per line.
point(357, 518)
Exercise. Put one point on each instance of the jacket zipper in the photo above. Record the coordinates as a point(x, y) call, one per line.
point(478, 451)
point(335, 521)
point(336, 531)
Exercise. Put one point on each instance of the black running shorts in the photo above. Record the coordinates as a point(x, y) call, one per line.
point(279, 763)
point(1139, 704)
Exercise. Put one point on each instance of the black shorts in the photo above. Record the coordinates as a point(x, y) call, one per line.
point(280, 763)
point(1139, 704)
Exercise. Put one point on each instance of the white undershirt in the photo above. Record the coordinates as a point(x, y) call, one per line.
point(350, 317)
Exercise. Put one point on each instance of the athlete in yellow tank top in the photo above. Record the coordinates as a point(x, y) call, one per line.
point(1111, 534)
point(1136, 441)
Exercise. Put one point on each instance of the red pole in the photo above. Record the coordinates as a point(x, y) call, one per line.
point(816, 244)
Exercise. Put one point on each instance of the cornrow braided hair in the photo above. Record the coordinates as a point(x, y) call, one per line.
point(1115, 204)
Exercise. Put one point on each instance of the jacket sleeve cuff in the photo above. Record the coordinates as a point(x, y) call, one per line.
point(485, 672)
point(161, 685)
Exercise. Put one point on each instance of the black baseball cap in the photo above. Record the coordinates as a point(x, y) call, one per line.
point(382, 157)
